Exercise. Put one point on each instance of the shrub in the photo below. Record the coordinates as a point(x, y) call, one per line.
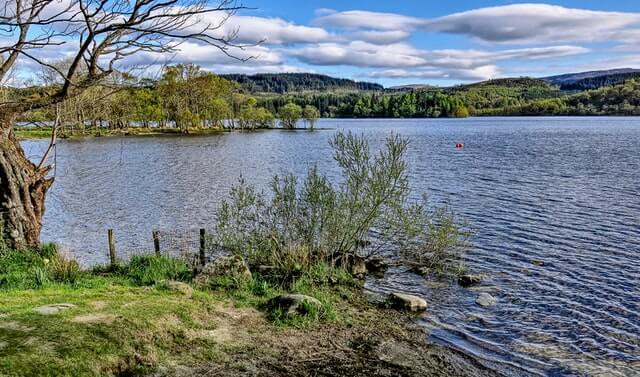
point(301, 225)
point(315, 221)
point(437, 244)
point(151, 269)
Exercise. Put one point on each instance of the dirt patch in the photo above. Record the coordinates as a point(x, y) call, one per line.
point(367, 342)
point(94, 318)
point(14, 326)
point(98, 305)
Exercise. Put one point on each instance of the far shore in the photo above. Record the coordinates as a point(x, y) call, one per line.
point(25, 133)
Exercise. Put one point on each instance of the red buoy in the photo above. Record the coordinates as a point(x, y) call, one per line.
point(460, 145)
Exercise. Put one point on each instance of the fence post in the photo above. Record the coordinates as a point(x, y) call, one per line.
point(203, 234)
point(112, 247)
point(156, 242)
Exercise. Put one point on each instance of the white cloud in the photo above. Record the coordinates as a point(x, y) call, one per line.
point(402, 55)
point(535, 23)
point(477, 73)
point(380, 37)
point(360, 54)
point(272, 31)
point(360, 19)
point(206, 55)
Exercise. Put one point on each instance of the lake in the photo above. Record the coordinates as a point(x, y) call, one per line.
point(554, 203)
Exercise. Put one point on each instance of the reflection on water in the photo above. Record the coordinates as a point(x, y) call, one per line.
point(555, 204)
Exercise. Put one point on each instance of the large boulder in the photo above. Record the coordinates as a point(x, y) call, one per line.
point(226, 266)
point(293, 304)
point(407, 302)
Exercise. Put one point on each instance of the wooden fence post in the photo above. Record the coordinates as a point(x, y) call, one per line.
point(203, 235)
point(156, 242)
point(112, 247)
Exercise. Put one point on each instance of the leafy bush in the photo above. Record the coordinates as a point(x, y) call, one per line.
point(302, 225)
point(151, 269)
point(437, 244)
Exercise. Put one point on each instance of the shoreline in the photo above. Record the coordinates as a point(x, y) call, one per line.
point(45, 133)
point(108, 322)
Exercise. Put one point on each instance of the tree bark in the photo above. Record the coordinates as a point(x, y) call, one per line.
point(23, 187)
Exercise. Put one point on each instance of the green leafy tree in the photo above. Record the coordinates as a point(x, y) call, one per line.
point(310, 115)
point(289, 115)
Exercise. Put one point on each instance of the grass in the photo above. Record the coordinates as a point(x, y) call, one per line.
point(125, 322)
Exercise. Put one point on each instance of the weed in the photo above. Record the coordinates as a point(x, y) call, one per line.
point(151, 269)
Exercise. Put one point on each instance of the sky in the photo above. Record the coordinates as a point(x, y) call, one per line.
point(432, 42)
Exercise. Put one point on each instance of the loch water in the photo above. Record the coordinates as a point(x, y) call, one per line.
point(554, 204)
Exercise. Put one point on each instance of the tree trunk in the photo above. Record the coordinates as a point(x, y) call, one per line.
point(23, 187)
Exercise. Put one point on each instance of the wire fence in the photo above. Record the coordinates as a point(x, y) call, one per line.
point(196, 246)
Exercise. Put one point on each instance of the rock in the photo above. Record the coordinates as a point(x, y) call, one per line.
point(232, 266)
point(408, 302)
point(180, 287)
point(293, 303)
point(377, 265)
point(485, 299)
point(468, 280)
point(358, 267)
point(53, 308)
point(376, 298)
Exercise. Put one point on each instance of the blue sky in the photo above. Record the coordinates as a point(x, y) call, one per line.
point(409, 41)
point(541, 38)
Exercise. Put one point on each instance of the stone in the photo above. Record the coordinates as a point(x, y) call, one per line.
point(485, 299)
point(378, 264)
point(407, 302)
point(468, 280)
point(293, 303)
point(358, 267)
point(231, 266)
point(178, 286)
point(53, 308)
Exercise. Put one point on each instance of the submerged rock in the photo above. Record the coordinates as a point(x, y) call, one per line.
point(53, 308)
point(293, 304)
point(180, 287)
point(407, 302)
point(378, 265)
point(485, 299)
point(468, 280)
point(230, 266)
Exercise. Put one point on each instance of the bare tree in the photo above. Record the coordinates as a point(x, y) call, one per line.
point(106, 31)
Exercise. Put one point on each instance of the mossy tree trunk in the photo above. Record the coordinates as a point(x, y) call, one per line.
point(23, 187)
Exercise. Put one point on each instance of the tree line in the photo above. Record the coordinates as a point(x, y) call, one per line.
point(185, 97)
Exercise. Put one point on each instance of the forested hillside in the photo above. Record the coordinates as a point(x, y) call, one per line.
point(297, 82)
point(188, 97)
point(600, 81)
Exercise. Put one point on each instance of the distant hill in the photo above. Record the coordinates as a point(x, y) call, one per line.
point(409, 87)
point(593, 79)
point(298, 82)
point(516, 82)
